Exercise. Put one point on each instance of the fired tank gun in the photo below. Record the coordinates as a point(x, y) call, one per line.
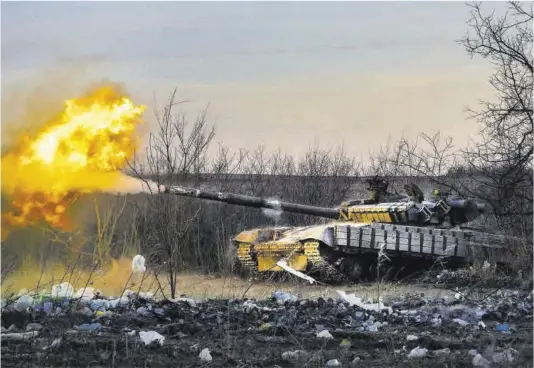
point(410, 209)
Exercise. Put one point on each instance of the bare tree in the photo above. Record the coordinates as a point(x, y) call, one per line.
point(503, 157)
point(174, 152)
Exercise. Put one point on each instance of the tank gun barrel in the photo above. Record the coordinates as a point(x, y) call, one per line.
point(256, 202)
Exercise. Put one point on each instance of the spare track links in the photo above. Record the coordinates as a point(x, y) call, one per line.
point(311, 250)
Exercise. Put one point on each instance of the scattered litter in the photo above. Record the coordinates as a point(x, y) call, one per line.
point(295, 356)
point(418, 353)
point(502, 327)
point(131, 333)
point(333, 363)
point(371, 328)
point(442, 352)
point(149, 336)
point(99, 304)
point(354, 300)
point(507, 356)
point(249, 306)
point(114, 303)
point(54, 344)
point(355, 362)
point(460, 321)
point(138, 264)
point(146, 295)
point(63, 290)
point(480, 361)
point(47, 307)
point(34, 327)
point(205, 355)
point(23, 303)
point(481, 324)
point(85, 293)
point(20, 336)
point(324, 334)
point(283, 263)
point(90, 326)
point(191, 302)
point(411, 338)
point(283, 297)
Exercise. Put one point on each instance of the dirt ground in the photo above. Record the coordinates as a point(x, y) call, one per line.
point(239, 334)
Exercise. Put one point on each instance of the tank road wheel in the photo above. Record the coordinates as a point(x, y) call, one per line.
point(320, 263)
point(246, 265)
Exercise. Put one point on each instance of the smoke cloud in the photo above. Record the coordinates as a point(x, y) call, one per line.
point(274, 213)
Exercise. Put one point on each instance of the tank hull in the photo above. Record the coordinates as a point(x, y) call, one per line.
point(344, 250)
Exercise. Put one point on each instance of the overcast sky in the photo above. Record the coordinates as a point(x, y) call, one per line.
point(283, 74)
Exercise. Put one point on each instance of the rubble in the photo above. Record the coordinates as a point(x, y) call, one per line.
point(283, 330)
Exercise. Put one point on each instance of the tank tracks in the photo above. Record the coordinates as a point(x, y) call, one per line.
point(327, 272)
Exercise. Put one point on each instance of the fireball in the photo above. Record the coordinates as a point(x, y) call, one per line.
point(80, 151)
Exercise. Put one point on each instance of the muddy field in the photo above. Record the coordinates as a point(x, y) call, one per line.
point(430, 328)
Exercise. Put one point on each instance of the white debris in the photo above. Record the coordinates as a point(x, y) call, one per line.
point(506, 356)
point(249, 306)
point(191, 302)
point(283, 263)
point(418, 353)
point(63, 290)
point(295, 356)
point(460, 321)
point(146, 295)
point(20, 336)
point(138, 264)
point(131, 333)
point(481, 324)
point(34, 327)
point(442, 352)
point(149, 336)
point(282, 297)
point(85, 293)
point(480, 361)
point(436, 322)
point(411, 338)
point(23, 303)
point(472, 352)
point(354, 300)
point(324, 334)
point(119, 301)
point(333, 363)
point(205, 355)
point(54, 344)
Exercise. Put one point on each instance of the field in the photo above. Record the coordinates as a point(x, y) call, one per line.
point(244, 325)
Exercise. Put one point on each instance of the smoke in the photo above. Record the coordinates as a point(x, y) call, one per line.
point(130, 185)
point(275, 213)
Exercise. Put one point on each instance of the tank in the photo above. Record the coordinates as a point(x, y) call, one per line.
point(406, 229)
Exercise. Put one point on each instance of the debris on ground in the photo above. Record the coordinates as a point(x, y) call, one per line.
point(284, 330)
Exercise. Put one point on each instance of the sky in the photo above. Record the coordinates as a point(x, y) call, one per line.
point(286, 75)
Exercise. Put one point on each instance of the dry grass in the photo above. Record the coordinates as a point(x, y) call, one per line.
point(117, 278)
